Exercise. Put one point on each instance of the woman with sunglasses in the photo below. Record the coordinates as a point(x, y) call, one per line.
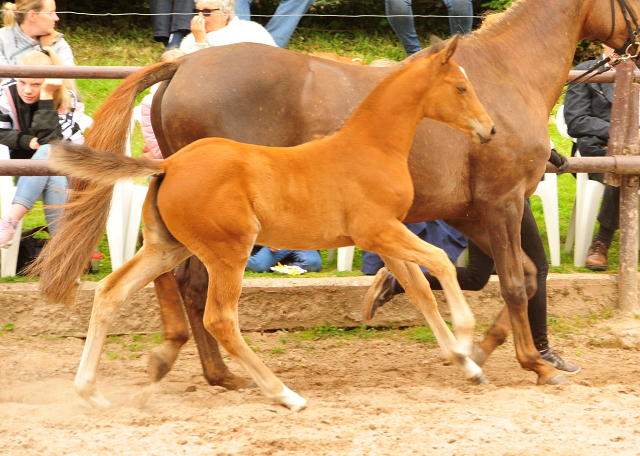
point(216, 24)
point(28, 25)
point(34, 112)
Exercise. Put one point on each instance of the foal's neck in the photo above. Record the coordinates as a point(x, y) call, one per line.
point(388, 117)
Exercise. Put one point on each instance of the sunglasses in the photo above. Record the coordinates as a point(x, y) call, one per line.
point(206, 11)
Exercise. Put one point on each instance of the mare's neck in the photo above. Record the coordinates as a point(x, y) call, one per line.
point(388, 117)
point(529, 49)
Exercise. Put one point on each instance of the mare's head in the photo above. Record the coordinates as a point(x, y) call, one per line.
point(451, 98)
point(606, 22)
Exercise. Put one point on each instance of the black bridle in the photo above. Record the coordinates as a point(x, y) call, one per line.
point(618, 55)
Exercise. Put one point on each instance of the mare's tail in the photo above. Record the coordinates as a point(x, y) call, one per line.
point(99, 166)
point(82, 223)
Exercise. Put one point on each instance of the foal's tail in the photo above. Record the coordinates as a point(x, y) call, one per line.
point(82, 223)
point(99, 166)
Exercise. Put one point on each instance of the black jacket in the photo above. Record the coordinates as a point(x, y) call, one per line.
point(587, 111)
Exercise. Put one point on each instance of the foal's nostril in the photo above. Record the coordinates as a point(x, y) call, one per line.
point(493, 130)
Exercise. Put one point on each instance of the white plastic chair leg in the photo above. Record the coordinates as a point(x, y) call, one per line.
point(9, 257)
point(588, 205)
point(548, 192)
point(138, 196)
point(118, 221)
point(345, 258)
point(571, 232)
point(461, 262)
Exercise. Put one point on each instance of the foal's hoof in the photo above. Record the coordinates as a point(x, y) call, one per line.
point(291, 400)
point(555, 380)
point(479, 379)
point(477, 355)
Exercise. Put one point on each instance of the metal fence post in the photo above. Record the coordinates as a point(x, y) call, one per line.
point(624, 141)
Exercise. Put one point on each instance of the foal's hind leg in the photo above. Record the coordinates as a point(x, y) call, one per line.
point(112, 291)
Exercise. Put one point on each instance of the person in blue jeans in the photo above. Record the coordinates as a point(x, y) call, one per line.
point(284, 21)
point(400, 17)
point(263, 258)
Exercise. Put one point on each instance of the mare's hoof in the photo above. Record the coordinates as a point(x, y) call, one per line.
point(231, 382)
point(158, 367)
point(477, 355)
point(479, 379)
point(557, 380)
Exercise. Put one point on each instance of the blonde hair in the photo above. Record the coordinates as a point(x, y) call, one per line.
point(16, 12)
point(62, 97)
point(171, 54)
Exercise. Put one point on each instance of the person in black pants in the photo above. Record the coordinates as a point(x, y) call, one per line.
point(476, 275)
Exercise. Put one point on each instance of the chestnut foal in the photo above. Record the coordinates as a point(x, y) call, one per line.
point(216, 198)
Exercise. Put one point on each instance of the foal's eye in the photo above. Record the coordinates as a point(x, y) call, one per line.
point(461, 89)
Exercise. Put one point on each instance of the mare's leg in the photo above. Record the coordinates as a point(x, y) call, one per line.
point(395, 240)
point(499, 330)
point(193, 281)
point(174, 327)
point(221, 320)
point(151, 260)
point(503, 222)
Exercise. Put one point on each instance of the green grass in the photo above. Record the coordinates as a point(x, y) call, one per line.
point(134, 46)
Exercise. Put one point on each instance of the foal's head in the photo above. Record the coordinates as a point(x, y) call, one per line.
point(451, 98)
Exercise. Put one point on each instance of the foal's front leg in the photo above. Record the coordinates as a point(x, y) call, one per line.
point(221, 320)
point(394, 240)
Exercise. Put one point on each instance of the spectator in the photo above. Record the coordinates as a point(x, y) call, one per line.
point(172, 21)
point(400, 17)
point(151, 150)
point(284, 20)
point(476, 275)
point(263, 258)
point(587, 111)
point(34, 112)
point(23, 32)
point(217, 25)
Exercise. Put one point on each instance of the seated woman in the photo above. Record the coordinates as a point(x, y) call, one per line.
point(34, 112)
point(29, 25)
point(216, 25)
point(263, 258)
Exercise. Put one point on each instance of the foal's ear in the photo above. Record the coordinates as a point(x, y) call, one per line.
point(436, 43)
point(450, 48)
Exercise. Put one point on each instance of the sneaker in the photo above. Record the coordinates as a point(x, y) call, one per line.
point(380, 291)
point(553, 359)
point(7, 230)
point(597, 257)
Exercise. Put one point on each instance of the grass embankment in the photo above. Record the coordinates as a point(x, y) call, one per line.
point(137, 48)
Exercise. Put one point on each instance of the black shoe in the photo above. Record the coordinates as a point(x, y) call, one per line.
point(379, 292)
point(553, 359)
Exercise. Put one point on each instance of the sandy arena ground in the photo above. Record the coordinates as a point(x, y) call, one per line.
point(379, 396)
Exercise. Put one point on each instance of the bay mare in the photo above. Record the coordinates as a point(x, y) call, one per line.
point(269, 96)
point(216, 198)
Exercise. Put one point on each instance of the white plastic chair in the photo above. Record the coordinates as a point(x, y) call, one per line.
point(123, 225)
point(585, 206)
